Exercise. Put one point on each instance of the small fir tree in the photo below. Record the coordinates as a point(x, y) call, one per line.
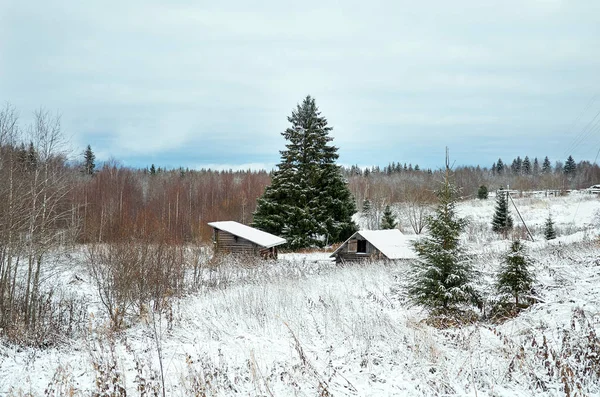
point(502, 221)
point(368, 214)
point(515, 276)
point(32, 157)
point(152, 170)
point(366, 206)
point(442, 276)
point(549, 232)
point(88, 161)
point(482, 193)
point(389, 219)
point(22, 155)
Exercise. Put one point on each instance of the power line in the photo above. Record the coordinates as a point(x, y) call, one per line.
point(585, 109)
point(584, 134)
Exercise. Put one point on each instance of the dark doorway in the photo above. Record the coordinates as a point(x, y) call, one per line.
point(361, 246)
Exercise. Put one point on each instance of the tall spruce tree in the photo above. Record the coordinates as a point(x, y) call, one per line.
point(549, 232)
point(442, 276)
point(526, 167)
point(516, 166)
point(308, 201)
point(515, 276)
point(570, 167)
point(389, 219)
point(89, 158)
point(546, 166)
point(500, 167)
point(502, 221)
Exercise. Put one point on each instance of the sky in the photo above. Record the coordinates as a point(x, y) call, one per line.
point(211, 84)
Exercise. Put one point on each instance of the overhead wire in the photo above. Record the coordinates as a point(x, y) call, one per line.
point(595, 131)
point(584, 111)
point(586, 133)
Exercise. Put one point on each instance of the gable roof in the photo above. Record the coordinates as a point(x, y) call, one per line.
point(256, 236)
point(392, 243)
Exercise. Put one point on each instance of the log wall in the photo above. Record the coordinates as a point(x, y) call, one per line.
point(348, 253)
point(227, 243)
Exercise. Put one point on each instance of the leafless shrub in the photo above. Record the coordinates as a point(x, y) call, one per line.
point(573, 361)
point(206, 378)
point(58, 318)
point(62, 384)
point(109, 380)
point(130, 277)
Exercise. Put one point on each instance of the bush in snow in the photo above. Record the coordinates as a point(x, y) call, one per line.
point(132, 277)
point(482, 193)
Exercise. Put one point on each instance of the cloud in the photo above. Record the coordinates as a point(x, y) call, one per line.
point(144, 80)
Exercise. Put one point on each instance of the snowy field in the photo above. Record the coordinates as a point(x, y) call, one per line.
point(303, 326)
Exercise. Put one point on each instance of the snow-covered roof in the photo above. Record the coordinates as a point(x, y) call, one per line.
point(259, 237)
point(392, 243)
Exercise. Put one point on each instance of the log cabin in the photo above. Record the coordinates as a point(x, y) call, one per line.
point(231, 237)
point(375, 245)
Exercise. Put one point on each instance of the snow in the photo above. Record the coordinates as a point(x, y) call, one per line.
point(303, 325)
point(256, 236)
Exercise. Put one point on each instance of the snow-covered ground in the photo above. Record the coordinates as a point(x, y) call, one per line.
point(304, 326)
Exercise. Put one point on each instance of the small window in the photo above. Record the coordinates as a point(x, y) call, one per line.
point(361, 246)
point(352, 246)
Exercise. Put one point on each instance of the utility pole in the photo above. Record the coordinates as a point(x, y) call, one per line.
point(520, 217)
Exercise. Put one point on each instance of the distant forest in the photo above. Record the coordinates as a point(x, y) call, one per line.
point(41, 191)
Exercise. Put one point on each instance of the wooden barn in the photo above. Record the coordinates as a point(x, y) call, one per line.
point(375, 245)
point(231, 237)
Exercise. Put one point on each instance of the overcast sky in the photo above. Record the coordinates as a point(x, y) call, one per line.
point(199, 84)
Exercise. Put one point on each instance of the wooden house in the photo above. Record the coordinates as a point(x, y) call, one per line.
point(231, 237)
point(375, 245)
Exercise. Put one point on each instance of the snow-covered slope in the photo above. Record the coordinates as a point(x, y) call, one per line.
point(303, 326)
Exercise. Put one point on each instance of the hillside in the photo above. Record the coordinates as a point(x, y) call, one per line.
point(304, 326)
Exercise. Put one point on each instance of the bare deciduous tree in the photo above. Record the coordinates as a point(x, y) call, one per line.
point(419, 201)
point(35, 213)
